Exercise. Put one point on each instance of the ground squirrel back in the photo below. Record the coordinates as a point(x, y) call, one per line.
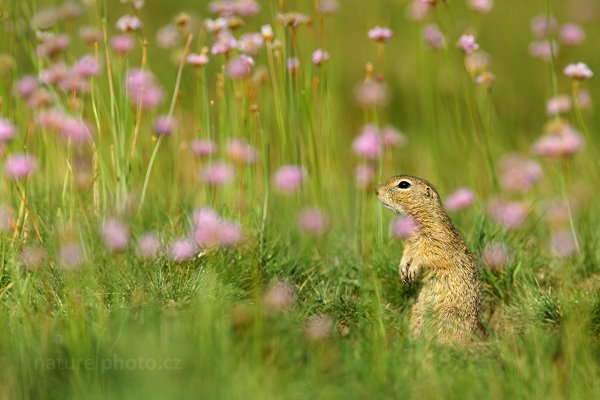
point(447, 307)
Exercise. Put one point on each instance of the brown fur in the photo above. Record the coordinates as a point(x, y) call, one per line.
point(447, 307)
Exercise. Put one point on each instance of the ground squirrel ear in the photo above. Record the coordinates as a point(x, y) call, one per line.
point(428, 192)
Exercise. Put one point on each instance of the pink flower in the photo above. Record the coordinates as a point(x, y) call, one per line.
point(467, 43)
point(418, 11)
point(182, 249)
point(246, 8)
point(558, 105)
point(433, 37)
point(218, 174)
point(240, 67)
point(293, 65)
point(319, 57)
point(578, 71)
point(313, 221)
point(519, 174)
point(404, 226)
point(289, 178)
point(129, 23)
point(6, 218)
point(203, 147)
point(240, 151)
point(149, 246)
point(225, 44)
point(543, 50)
point(250, 43)
point(380, 34)
point(53, 46)
point(369, 143)
point(168, 36)
point(572, 34)
point(54, 74)
point(71, 256)
point(74, 129)
point(40, 98)
point(363, 175)
point(31, 257)
point(393, 137)
point(211, 230)
point(122, 44)
point(460, 199)
point(318, 327)
point(230, 234)
point(165, 125)
point(481, 6)
point(562, 244)
point(328, 6)
point(26, 86)
point(280, 296)
point(20, 166)
point(495, 256)
point(87, 66)
point(116, 235)
point(371, 94)
point(197, 60)
point(90, 34)
point(542, 26)
point(509, 214)
point(565, 143)
point(143, 90)
point(7, 131)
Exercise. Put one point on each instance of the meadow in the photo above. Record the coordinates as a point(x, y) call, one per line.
point(187, 204)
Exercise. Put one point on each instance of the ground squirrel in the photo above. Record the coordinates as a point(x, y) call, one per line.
point(447, 307)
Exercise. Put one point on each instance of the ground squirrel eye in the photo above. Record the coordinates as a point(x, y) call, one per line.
point(404, 185)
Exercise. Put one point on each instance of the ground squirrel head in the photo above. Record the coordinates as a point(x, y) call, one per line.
point(411, 196)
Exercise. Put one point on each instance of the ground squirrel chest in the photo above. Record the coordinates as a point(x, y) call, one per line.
point(447, 307)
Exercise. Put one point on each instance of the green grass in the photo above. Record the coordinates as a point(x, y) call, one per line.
point(122, 327)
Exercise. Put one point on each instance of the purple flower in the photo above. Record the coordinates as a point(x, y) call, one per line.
point(433, 37)
point(578, 71)
point(149, 246)
point(519, 174)
point(87, 66)
point(182, 249)
point(495, 256)
point(240, 67)
point(313, 221)
point(218, 174)
point(460, 199)
point(7, 131)
point(404, 226)
point(122, 44)
point(6, 218)
point(509, 214)
point(165, 125)
point(562, 244)
point(26, 86)
point(203, 147)
point(20, 166)
point(289, 178)
point(319, 57)
point(115, 235)
point(240, 151)
point(371, 94)
point(129, 23)
point(197, 60)
point(572, 34)
point(369, 143)
point(467, 43)
point(380, 34)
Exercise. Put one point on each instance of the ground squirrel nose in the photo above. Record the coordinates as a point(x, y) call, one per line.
point(377, 191)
